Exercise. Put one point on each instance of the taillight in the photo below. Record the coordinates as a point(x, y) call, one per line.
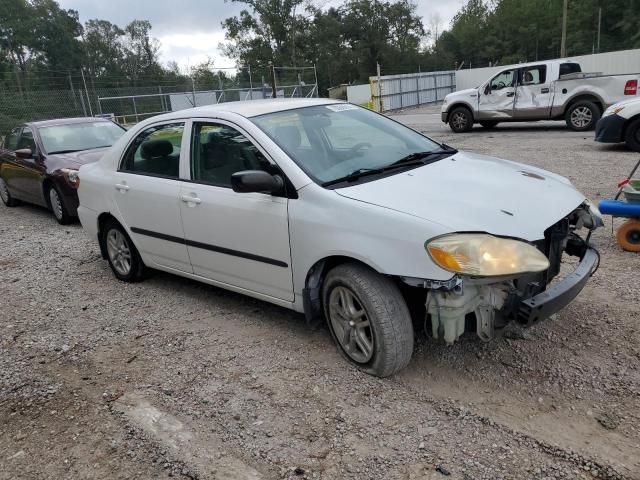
point(631, 88)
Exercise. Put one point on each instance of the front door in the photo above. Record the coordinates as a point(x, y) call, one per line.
point(237, 239)
point(497, 98)
point(147, 192)
point(533, 94)
point(23, 175)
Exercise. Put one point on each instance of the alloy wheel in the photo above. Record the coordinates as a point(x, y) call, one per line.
point(351, 324)
point(56, 203)
point(459, 120)
point(581, 117)
point(119, 251)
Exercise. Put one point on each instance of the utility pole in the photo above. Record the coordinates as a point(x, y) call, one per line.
point(563, 44)
point(599, 26)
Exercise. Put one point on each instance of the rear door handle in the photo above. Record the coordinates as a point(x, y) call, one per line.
point(122, 187)
point(544, 90)
point(190, 199)
point(510, 94)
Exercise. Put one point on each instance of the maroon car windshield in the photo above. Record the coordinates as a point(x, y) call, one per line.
point(79, 136)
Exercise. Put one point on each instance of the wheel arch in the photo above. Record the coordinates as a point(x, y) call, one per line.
point(589, 97)
point(103, 218)
point(627, 124)
point(463, 105)
point(47, 183)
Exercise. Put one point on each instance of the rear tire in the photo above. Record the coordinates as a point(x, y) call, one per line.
point(632, 135)
point(368, 318)
point(582, 116)
point(628, 236)
point(461, 120)
point(56, 204)
point(123, 257)
point(489, 124)
point(7, 199)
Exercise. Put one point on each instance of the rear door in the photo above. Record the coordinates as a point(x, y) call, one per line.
point(146, 190)
point(237, 239)
point(497, 98)
point(533, 93)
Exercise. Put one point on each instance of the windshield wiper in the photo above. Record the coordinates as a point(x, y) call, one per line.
point(355, 175)
point(412, 157)
point(63, 151)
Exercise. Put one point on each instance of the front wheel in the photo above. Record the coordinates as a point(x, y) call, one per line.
point(583, 116)
point(57, 206)
point(7, 199)
point(123, 257)
point(632, 135)
point(369, 319)
point(461, 120)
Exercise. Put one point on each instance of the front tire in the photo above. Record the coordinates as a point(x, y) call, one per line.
point(56, 204)
point(583, 116)
point(368, 318)
point(632, 135)
point(123, 257)
point(461, 120)
point(7, 199)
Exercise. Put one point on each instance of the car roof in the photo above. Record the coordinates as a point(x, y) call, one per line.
point(248, 108)
point(64, 121)
point(539, 62)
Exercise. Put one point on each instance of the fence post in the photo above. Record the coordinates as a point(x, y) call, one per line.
point(272, 71)
point(418, 87)
point(379, 87)
point(86, 92)
point(193, 91)
point(250, 83)
point(135, 109)
point(315, 74)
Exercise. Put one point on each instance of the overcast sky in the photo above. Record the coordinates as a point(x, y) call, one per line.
point(189, 30)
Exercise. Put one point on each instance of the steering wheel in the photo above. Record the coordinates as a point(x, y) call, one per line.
point(355, 150)
point(501, 85)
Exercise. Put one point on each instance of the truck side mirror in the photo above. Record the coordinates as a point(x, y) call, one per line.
point(487, 89)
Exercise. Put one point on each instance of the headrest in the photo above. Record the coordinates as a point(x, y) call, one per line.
point(289, 135)
point(156, 148)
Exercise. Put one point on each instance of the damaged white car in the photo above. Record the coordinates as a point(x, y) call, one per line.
point(343, 214)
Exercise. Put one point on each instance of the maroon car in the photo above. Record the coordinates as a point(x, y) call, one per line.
point(39, 161)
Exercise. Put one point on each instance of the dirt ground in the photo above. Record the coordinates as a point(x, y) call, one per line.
point(171, 378)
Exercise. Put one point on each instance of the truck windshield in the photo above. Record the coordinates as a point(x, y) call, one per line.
point(331, 141)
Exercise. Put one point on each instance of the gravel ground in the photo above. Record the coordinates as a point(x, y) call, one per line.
point(171, 378)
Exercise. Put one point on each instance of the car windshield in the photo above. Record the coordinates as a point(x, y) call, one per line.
point(333, 141)
point(79, 136)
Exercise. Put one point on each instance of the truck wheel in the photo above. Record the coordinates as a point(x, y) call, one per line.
point(583, 116)
point(368, 318)
point(461, 120)
point(488, 124)
point(628, 236)
point(632, 135)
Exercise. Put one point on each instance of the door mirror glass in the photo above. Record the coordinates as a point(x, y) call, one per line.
point(249, 181)
point(24, 153)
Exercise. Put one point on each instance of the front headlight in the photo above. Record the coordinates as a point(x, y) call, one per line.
point(72, 176)
point(483, 255)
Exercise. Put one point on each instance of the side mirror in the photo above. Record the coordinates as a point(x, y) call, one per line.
point(487, 89)
point(24, 153)
point(249, 181)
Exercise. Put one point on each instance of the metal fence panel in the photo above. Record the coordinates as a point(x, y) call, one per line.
point(412, 89)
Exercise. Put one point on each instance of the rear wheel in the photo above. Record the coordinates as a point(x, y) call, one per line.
point(368, 318)
point(123, 257)
point(461, 120)
point(583, 116)
point(628, 236)
point(57, 206)
point(6, 197)
point(632, 135)
point(488, 124)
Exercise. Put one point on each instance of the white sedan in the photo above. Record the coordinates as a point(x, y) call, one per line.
point(330, 209)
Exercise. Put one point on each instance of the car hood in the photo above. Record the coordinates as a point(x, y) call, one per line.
point(469, 192)
point(466, 94)
point(76, 159)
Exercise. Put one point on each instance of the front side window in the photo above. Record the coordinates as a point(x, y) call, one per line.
point(26, 140)
point(155, 151)
point(79, 136)
point(218, 151)
point(503, 80)
point(11, 142)
point(331, 141)
point(534, 75)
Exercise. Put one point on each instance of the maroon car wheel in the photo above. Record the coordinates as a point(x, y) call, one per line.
point(56, 204)
point(7, 199)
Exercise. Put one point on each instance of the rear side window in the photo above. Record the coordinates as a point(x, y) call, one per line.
point(11, 141)
point(155, 151)
point(568, 68)
point(534, 75)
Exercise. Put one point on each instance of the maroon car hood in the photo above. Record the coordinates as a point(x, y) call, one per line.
point(76, 159)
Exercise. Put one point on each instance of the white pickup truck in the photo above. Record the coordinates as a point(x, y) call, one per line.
point(552, 90)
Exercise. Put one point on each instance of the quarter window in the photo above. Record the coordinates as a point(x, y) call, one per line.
point(218, 151)
point(156, 151)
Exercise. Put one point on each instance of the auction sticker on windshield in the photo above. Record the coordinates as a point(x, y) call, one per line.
point(342, 107)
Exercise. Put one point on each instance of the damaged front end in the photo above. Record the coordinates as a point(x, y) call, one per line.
point(487, 304)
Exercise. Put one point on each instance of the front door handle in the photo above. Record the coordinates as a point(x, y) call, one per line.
point(544, 90)
point(510, 94)
point(190, 199)
point(122, 187)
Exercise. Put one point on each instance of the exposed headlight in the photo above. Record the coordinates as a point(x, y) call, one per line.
point(596, 216)
point(72, 176)
point(483, 255)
